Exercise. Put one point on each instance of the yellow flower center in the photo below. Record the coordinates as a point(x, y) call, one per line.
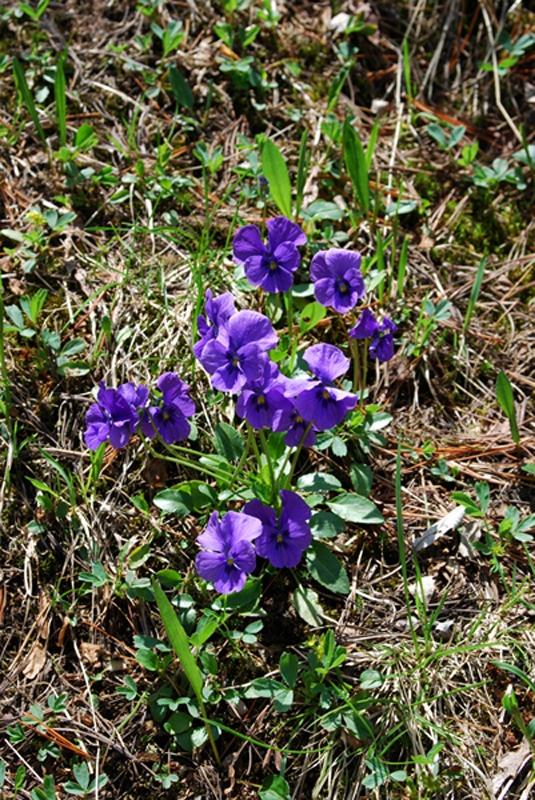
point(343, 288)
point(279, 538)
point(230, 561)
point(236, 362)
point(326, 394)
point(260, 400)
point(299, 418)
point(165, 415)
point(273, 265)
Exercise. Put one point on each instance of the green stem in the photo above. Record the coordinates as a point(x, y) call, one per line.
point(242, 458)
point(364, 371)
point(186, 462)
point(289, 310)
point(265, 448)
point(296, 456)
point(6, 401)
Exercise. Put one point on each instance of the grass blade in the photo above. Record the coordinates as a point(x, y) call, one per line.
point(179, 641)
point(302, 171)
point(356, 165)
point(22, 86)
point(402, 267)
point(276, 172)
point(504, 396)
point(61, 101)
point(474, 294)
point(373, 141)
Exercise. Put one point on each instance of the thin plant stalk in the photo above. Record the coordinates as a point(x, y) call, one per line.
point(296, 456)
point(402, 553)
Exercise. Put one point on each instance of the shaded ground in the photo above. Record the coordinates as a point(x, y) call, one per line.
point(122, 278)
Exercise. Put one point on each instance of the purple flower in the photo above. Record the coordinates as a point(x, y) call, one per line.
point(366, 327)
point(382, 344)
point(337, 279)
point(291, 421)
point(323, 404)
point(218, 311)
point(232, 555)
point(282, 540)
point(262, 399)
point(270, 267)
point(114, 415)
point(238, 355)
point(170, 419)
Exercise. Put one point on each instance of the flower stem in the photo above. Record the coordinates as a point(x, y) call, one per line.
point(242, 457)
point(296, 456)
point(185, 462)
point(265, 448)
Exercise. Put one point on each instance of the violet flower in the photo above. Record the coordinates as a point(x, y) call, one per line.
point(218, 311)
point(270, 267)
point(382, 340)
point(382, 346)
point(170, 419)
point(291, 421)
point(323, 404)
point(282, 540)
point(260, 400)
point(337, 279)
point(238, 355)
point(367, 326)
point(114, 415)
point(232, 555)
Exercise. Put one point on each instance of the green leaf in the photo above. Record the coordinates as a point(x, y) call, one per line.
point(61, 101)
point(289, 667)
point(22, 86)
point(310, 316)
point(354, 508)
point(379, 773)
point(325, 525)
point(323, 209)
point(371, 679)
point(437, 132)
point(483, 495)
point(466, 501)
point(361, 478)
point(169, 577)
point(228, 442)
point(325, 568)
point(274, 787)
point(356, 164)
point(274, 690)
point(179, 87)
point(179, 640)
point(173, 502)
point(504, 396)
point(276, 172)
point(148, 659)
point(318, 482)
point(307, 605)
point(139, 556)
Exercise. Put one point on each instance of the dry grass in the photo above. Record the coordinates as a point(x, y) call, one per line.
point(140, 260)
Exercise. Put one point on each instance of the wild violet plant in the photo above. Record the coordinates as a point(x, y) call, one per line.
point(287, 393)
